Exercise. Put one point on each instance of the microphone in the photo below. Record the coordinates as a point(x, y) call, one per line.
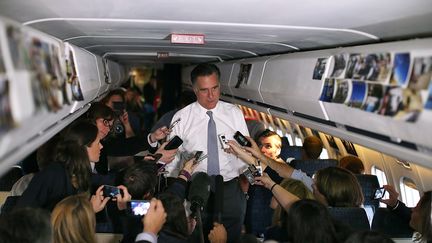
point(199, 191)
point(219, 199)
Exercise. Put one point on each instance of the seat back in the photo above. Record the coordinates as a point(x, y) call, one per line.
point(9, 179)
point(369, 183)
point(391, 224)
point(313, 165)
point(355, 218)
point(288, 151)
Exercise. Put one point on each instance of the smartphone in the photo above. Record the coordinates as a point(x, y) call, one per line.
point(223, 141)
point(110, 191)
point(379, 193)
point(138, 207)
point(198, 154)
point(155, 157)
point(174, 123)
point(242, 140)
point(174, 143)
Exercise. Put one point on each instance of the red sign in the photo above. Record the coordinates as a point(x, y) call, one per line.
point(187, 39)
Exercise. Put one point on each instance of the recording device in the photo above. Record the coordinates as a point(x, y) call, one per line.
point(174, 123)
point(199, 191)
point(174, 143)
point(201, 159)
point(110, 191)
point(242, 140)
point(251, 172)
point(223, 141)
point(138, 207)
point(198, 154)
point(119, 109)
point(379, 193)
point(219, 196)
point(155, 157)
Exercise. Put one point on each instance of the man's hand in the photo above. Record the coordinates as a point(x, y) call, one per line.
point(155, 217)
point(98, 201)
point(159, 134)
point(393, 196)
point(218, 234)
point(122, 199)
point(240, 152)
point(167, 155)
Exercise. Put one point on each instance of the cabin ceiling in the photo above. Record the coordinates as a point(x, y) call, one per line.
point(133, 32)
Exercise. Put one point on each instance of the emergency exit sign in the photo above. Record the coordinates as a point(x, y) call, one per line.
point(187, 39)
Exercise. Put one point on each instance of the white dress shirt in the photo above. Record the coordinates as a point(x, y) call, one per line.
point(192, 129)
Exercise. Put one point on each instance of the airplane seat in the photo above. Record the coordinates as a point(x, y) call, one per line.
point(258, 213)
point(9, 204)
point(368, 185)
point(389, 223)
point(313, 165)
point(10, 177)
point(355, 218)
point(288, 151)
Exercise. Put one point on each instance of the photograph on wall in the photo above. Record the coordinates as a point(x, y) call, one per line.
point(58, 75)
point(375, 94)
point(18, 51)
point(371, 67)
point(319, 68)
point(349, 147)
point(243, 75)
point(401, 67)
point(353, 61)
point(6, 119)
point(421, 73)
point(342, 91)
point(428, 104)
point(339, 65)
point(327, 90)
point(392, 101)
point(72, 77)
point(42, 66)
point(105, 70)
point(411, 106)
point(358, 94)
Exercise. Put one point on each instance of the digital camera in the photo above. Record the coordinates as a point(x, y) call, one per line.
point(251, 172)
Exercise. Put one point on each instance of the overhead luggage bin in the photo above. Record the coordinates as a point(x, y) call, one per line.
point(36, 98)
point(83, 75)
point(247, 77)
point(226, 72)
point(287, 84)
point(104, 78)
point(398, 112)
point(115, 74)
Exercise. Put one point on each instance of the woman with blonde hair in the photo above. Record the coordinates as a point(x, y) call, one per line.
point(73, 220)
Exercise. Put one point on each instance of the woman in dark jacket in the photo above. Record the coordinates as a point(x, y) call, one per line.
point(70, 173)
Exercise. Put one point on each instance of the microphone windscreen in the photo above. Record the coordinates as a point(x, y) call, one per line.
point(199, 190)
point(219, 198)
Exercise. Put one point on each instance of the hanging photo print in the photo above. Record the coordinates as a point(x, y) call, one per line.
point(244, 74)
point(401, 69)
point(319, 68)
point(72, 77)
point(421, 73)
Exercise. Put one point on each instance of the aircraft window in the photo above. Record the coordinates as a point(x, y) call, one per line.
point(279, 132)
point(409, 192)
point(382, 179)
point(324, 154)
point(298, 141)
point(290, 140)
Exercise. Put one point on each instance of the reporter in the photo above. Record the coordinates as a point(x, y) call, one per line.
point(153, 222)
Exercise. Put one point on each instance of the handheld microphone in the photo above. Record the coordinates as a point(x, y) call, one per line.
point(219, 198)
point(199, 191)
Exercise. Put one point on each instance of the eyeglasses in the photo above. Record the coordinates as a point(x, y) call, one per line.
point(108, 123)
